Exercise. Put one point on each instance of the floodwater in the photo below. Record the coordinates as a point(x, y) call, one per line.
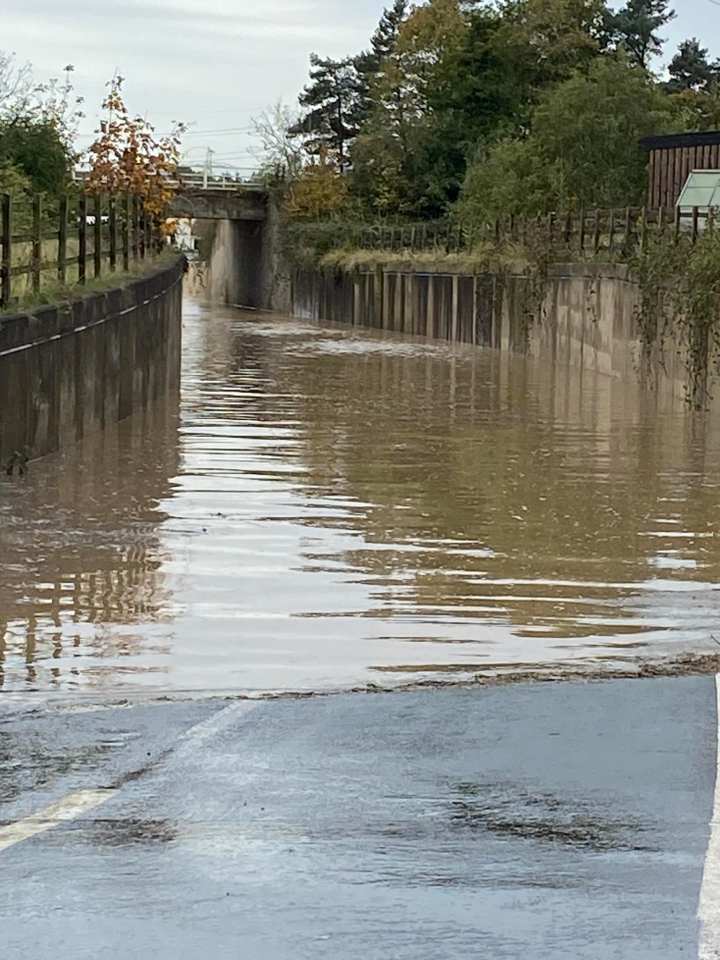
point(325, 507)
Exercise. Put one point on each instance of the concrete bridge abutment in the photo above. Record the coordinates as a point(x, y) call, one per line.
point(242, 245)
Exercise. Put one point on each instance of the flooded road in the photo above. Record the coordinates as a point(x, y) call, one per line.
point(326, 507)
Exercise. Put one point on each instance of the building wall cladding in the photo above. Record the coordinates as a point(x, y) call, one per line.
point(586, 317)
point(69, 369)
point(672, 158)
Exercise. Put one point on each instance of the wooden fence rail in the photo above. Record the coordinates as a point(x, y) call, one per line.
point(620, 232)
point(42, 244)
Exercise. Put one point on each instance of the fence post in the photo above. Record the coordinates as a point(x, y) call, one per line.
point(141, 227)
point(6, 234)
point(567, 234)
point(676, 228)
point(112, 223)
point(643, 229)
point(611, 231)
point(62, 239)
point(126, 217)
point(628, 229)
point(97, 234)
point(711, 220)
point(582, 229)
point(36, 242)
point(148, 235)
point(136, 229)
point(596, 232)
point(661, 220)
point(695, 221)
point(82, 237)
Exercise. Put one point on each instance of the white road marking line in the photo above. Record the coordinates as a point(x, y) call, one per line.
point(709, 907)
point(212, 726)
point(69, 808)
point(76, 804)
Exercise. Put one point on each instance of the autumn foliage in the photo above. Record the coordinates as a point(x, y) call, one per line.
point(128, 157)
point(319, 191)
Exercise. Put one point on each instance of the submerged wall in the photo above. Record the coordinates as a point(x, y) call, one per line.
point(69, 369)
point(583, 315)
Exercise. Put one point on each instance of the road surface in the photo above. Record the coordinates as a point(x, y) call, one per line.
point(528, 821)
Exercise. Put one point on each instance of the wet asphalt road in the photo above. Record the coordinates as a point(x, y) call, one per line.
point(546, 821)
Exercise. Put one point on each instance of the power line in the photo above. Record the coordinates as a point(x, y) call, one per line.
point(205, 133)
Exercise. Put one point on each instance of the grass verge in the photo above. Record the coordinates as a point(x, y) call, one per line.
point(54, 292)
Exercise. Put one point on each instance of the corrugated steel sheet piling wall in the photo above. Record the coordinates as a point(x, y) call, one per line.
point(582, 314)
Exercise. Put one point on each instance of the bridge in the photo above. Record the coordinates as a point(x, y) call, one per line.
point(240, 225)
point(203, 197)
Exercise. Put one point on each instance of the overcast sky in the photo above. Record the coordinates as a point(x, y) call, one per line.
point(215, 63)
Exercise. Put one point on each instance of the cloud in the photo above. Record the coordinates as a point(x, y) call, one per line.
point(188, 59)
point(216, 62)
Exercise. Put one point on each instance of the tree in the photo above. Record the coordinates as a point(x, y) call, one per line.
point(333, 107)
point(583, 149)
point(38, 124)
point(319, 192)
point(690, 68)
point(36, 148)
point(479, 91)
point(16, 86)
point(634, 28)
point(370, 65)
point(549, 39)
point(398, 161)
point(56, 103)
point(384, 40)
point(280, 152)
point(128, 157)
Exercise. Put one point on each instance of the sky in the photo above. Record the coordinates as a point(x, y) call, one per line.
point(215, 64)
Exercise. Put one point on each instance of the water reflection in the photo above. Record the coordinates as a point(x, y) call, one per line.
point(82, 592)
point(336, 506)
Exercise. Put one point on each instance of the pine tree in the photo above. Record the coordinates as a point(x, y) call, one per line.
point(690, 68)
point(332, 102)
point(370, 64)
point(635, 26)
point(385, 37)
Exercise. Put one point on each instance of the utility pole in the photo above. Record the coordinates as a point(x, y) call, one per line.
point(208, 166)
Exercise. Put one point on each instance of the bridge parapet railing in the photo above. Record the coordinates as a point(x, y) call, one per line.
point(69, 240)
point(201, 180)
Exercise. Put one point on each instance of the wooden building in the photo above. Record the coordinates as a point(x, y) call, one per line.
point(673, 157)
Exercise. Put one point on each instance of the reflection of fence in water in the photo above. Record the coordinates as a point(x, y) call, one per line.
point(74, 614)
point(83, 587)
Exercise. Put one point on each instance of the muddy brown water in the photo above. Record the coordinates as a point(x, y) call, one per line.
point(325, 507)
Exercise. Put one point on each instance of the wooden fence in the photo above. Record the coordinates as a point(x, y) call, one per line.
point(617, 232)
point(68, 240)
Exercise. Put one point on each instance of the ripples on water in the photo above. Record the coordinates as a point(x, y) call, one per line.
point(332, 506)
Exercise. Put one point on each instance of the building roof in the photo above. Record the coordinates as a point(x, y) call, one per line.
point(672, 140)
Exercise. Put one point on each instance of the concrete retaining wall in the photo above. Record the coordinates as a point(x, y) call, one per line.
point(586, 318)
point(70, 369)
